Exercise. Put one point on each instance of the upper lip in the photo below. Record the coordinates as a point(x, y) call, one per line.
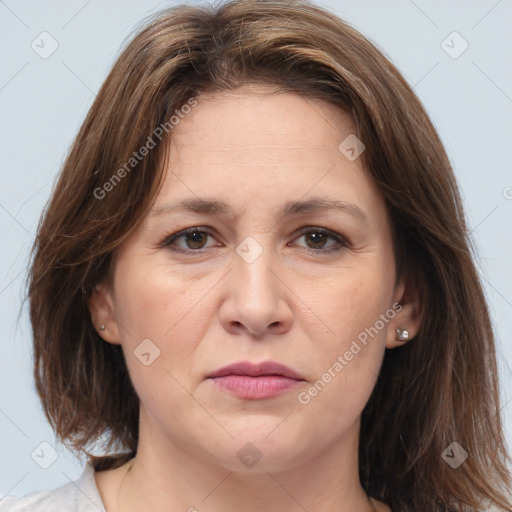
point(256, 370)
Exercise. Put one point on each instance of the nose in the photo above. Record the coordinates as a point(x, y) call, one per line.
point(257, 300)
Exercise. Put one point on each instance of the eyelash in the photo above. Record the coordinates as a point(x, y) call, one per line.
point(342, 243)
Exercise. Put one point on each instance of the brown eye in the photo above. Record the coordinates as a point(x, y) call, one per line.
point(317, 240)
point(196, 239)
point(188, 240)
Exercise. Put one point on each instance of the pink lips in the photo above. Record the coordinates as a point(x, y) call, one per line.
point(256, 381)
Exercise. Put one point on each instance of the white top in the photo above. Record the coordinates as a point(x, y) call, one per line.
point(82, 495)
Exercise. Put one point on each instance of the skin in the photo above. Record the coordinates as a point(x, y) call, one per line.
point(255, 151)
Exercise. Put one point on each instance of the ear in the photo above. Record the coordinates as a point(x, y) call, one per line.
point(410, 312)
point(102, 313)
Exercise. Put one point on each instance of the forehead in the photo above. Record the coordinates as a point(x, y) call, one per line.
point(254, 145)
point(256, 115)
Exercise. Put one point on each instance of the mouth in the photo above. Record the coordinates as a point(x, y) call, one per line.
point(256, 381)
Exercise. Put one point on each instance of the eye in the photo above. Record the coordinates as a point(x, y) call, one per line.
point(188, 240)
point(317, 238)
point(195, 240)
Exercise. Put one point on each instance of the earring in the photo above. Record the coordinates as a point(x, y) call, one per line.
point(402, 334)
point(102, 327)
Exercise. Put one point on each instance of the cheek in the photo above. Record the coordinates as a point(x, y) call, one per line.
point(152, 301)
point(355, 309)
point(163, 317)
point(349, 300)
point(159, 316)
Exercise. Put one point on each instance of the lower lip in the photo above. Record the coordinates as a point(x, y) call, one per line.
point(265, 386)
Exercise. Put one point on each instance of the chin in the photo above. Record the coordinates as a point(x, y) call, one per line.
point(255, 451)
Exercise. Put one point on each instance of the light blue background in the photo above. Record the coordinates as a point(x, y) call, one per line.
point(43, 102)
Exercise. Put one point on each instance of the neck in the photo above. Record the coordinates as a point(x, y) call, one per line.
point(167, 475)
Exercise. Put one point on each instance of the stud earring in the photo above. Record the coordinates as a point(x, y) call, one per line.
point(102, 327)
point(402, 334)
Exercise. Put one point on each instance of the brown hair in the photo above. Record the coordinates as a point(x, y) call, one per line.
point(439, 388)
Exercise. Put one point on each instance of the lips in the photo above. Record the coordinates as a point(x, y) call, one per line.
point(250, 381)
point(245, 368)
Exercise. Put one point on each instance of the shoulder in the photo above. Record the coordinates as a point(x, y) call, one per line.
point(79, 496)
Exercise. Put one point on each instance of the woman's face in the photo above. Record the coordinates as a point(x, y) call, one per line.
point(273, 273)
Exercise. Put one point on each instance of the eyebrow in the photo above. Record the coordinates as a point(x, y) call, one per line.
point(292, 208)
